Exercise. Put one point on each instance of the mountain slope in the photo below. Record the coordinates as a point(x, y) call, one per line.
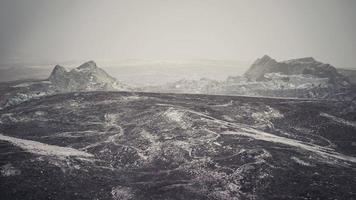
point(350, 74)
point(262, 66)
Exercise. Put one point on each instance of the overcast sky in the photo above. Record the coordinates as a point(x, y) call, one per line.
point(61, 30)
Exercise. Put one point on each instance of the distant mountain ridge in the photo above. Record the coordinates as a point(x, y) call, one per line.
point(307, 65)
point(299, 78)
point(296, 78)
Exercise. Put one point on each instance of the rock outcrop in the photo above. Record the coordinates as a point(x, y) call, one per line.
point(86, 77)
point(301, 66)
point(296, 78)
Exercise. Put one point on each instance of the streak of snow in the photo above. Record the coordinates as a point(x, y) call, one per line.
point(299, 161)
point(339, 120)
point(30, 83)
point(260, 135)
point(224, 105)
point(44, 149)
point(247, 131)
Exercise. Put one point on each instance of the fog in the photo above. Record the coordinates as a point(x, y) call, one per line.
point(41, 32)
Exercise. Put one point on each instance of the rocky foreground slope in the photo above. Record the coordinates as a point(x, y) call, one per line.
point(116, 145)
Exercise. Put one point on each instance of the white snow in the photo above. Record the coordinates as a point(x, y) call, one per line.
point(174, 115)
point(324, 152)
point(9, 170)
point(44, 149)
point(299, 161)
point(339, 120)
point(122, 193)
point(177, 116)
point(27, 84)
point(264, 117)
point(224, 105)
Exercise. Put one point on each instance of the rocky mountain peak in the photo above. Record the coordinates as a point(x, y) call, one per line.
point(266, 57)
point(260, 67)
point(57, 72)
point(306, 66)
point(86, 77)
point(265, 60)
point(88, 65)
point(58, 69)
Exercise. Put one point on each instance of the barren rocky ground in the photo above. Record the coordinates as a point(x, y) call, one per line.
point(124, 145)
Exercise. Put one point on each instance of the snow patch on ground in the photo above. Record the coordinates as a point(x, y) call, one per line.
point(8, 117)
point(339, 120)
point(111, 119)
point(40, 113)
point(224, 105)
point(75, 134)
point(30, 83)
point(266, 116)
point(301, 162)
point(73, 103)
point(327, 153)
point(9, 170)
point(122, 193)
point(44, 149)
point(177, 116)
point(22, 97)
point(174, 115)
point(132, 98)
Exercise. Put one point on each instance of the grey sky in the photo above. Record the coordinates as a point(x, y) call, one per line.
point(60, 30)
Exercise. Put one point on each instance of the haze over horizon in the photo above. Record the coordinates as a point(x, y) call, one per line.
point(55, 31)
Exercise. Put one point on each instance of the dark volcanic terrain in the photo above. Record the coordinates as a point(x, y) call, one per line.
point(124, 145)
